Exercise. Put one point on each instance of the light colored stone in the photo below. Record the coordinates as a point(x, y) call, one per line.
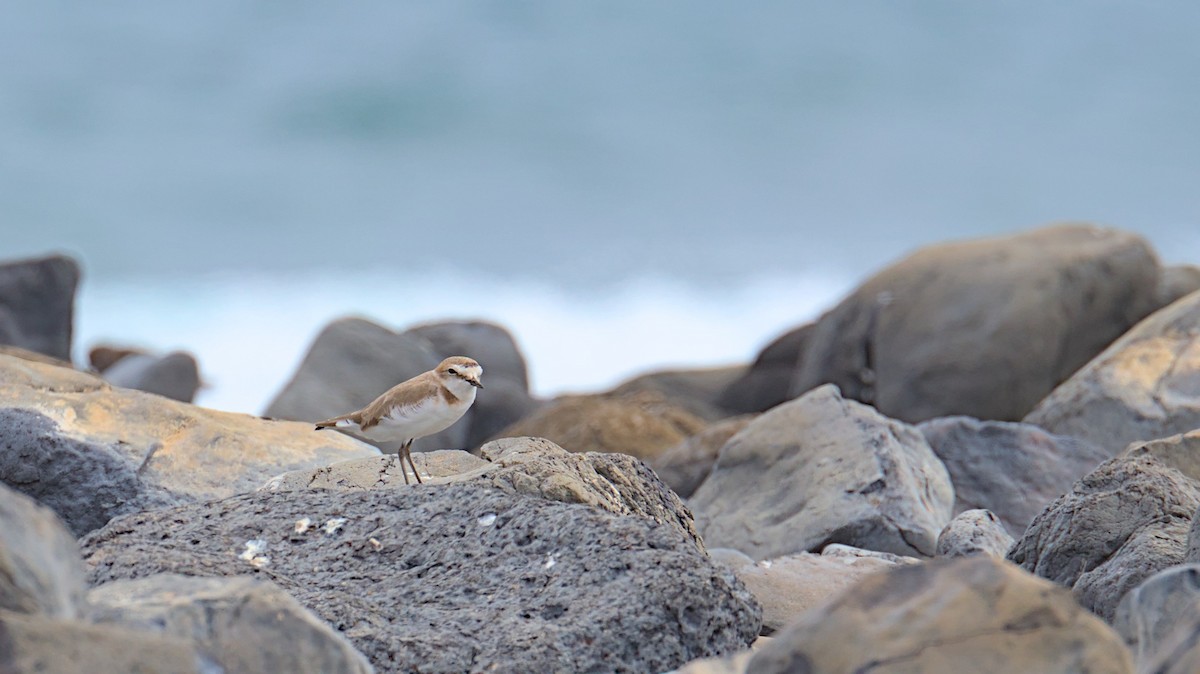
point(1153, 616)
point(40, 571)
point(974, 532)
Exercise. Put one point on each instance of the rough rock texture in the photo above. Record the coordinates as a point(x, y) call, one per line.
point(1119, 524)
point(686, 465)
point(1145, 386)
point(242, 624)
point(37, 304)
point(36, 644)
point(1011, 469)
point(974, 532)
point(1158, 613)
point(768, 381)
point(643, 424)
point(615, 483)
point(40, 572)
point(90, 451)
point(506, 396)
point(788, 586)
point(696, 391)
point(820, 470)
point(1177, 281)
point(349, 364)
point(174, 375)
point(450, 578)
point(984, 328)
point(974, 614)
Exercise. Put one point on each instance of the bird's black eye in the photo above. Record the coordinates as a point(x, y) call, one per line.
point(452, 371)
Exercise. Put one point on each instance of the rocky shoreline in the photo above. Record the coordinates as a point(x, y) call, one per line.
point(983, 459)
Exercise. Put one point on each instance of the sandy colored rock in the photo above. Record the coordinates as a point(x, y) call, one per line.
point(242, 624)
point(1119, 524)
point(91, 451)
point(697, 391)
point(643, 424)
point(973, 614)
point(974, 532)
point(1145, 386)
point(984, 328)
point(686, 465)
point(821, 469)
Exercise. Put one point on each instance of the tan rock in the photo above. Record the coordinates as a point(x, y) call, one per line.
point(643, 424)
point(972, 614)
point(697, 391)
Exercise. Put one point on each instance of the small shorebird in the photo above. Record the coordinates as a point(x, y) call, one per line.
point(423, 405)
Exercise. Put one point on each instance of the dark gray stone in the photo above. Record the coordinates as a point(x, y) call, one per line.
point(686, 465)
point(350, 364)
point(460, 577)
point(40, 571)
point(768, 381)
point(174, 375)
point(1011, 469)
point(37, 304)
point(974, 532)
point(982, 328)
point(242, 624)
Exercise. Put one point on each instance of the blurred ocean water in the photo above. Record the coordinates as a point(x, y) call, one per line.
point(237, 173)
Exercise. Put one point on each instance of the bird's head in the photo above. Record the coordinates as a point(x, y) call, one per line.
point(457, 369)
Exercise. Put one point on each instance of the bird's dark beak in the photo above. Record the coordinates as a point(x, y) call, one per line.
point(475, 383)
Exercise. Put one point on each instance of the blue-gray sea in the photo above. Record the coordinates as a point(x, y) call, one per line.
point(625, 185)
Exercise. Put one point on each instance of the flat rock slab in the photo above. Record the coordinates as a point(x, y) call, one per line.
point(819, 470)
point(242, 624)
point(459, 577)
point(91, 451)
point(1118, 525)
point(1146, 385)
point(984, 328)
point(974, 614)
point(1011, 469)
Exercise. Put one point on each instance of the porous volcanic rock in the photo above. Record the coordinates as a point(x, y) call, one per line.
point(984, 328)
point(822, 469)
point(456, 577)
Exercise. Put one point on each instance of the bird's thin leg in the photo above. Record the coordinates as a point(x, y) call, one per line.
point(400, 458)
point(408, 451)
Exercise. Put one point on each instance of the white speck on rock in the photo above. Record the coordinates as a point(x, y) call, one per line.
point(253, 551)
point(334, 524)
point(303, 524)
point(765, 564)
point(551, 560)
point(487, 520)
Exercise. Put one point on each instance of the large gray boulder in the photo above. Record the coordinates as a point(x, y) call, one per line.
point(351, 362)
point(768, 380)
point(1011, 469)
point(241, 624)
point(457, 577)
point(40, 571)
point(821, 469)
point(982, 328)
point(1145, 386)
point(90, 451)
point(974, 614)
point(37, 304)
point(1121, 523)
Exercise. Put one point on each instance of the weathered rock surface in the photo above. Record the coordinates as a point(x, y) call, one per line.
point(983, 328)
point(1145, 386)
point(686, 465)
point(1157, 614)
point(974, 532)
point(242, 624)
point(1177, 281)
point(788, 586)
point(697, 391)
point(820, 470)
point(90, 451)
point(36, 644)
point(37, 304)
point(506, 397)
point(974, 614)
point(616, 483)
point(1118, 525)
point(349, 364)
point(174, 375)
point(456, 577)
point(1011, 469)
point(40, 572)
point(768, 381)
point(643, 424)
